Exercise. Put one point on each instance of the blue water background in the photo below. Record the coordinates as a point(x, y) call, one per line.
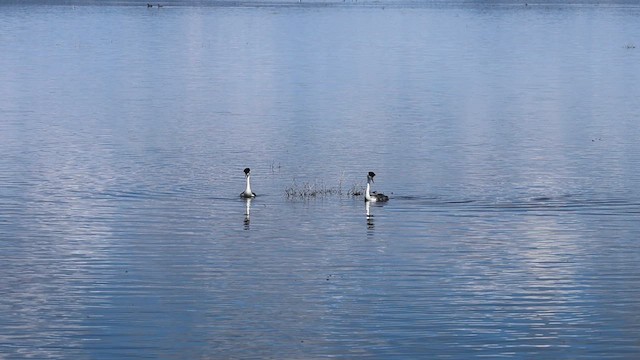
point(506, 135)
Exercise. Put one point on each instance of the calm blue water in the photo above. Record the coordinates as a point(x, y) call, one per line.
point(506, 136)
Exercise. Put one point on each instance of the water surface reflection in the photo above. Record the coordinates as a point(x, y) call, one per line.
point(513, 168)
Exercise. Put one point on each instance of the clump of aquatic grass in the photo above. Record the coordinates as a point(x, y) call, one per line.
point(356, 190)
point(308, 190)
point(318, 189)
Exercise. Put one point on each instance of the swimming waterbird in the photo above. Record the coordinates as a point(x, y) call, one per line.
point(373, 196)
point(247, 193)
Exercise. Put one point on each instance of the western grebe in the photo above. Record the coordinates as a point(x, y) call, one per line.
point(247, 193)
point(373, 197)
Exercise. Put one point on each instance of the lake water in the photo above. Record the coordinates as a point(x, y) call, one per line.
point(506, 135)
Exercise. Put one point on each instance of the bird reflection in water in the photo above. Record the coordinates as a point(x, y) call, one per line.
point(247, 213)
point(367, 209)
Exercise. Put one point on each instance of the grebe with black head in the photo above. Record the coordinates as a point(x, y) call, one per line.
point(373, 197)
point(247, 193)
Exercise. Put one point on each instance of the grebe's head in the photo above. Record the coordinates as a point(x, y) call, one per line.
point(371, 175)
point(247, 171)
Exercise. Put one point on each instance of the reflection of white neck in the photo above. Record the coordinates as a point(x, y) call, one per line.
point(247, 211)
point(367, 206)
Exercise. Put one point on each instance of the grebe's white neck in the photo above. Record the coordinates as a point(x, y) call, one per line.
point(367, 194)
point(367, 209)
point(247, 190)
point(247, 193)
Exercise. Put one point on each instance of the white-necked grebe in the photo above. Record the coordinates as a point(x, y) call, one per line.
point(373, 197)
point(247, 193)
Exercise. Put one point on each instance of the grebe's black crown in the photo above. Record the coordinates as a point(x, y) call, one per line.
point(246, 171)
point(372, 174)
